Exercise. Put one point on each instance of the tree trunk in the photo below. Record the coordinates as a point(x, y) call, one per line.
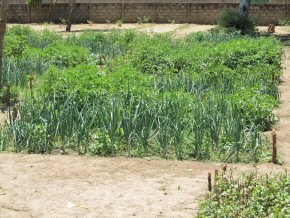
point(71, 10)
point(3, 22)
point(51, 7)
point(244, 6)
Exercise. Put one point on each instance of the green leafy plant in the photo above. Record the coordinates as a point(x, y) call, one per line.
point(63, 21)
point(63, 55)
point(249, 196)
point(283, 23)
point(144, 19)
point(120, 22)
point(90, 22)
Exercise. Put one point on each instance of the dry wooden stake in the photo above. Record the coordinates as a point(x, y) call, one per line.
point(216, 174)
point(209, 182)
point(274, 153)
point(273, 78)
point(31, 81)
point(225, 168)
point(14, 113)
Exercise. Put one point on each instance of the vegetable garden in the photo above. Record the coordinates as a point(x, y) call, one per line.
point(207, 96)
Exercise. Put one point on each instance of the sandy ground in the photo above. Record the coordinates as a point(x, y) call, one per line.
point(44, 186)
point(79, 186)
point(177, 29)
point(283, 112)
point(150, 28)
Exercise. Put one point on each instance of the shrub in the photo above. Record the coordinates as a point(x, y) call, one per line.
point(232, 19)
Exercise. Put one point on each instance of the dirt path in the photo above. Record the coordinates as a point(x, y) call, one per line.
point(176, 29)
point(179, 29)
point(43, 186)
point(283, 112)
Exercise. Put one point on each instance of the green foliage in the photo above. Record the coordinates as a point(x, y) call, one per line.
point(13, 94)
point(144, 19)
point(231, 18)
point(63, 55)
point(284, 23)
point(259, 1)
point(17, 40)
point(256, 107)
point(20, 38)
point(204, 97)
point(120, 22)
point(84, 81)
point(63, 21)
point(250, 196)
point(33, 2)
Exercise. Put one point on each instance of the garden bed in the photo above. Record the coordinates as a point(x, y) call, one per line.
point(208, 96)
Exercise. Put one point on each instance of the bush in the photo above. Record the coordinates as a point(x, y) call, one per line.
point(232, 19)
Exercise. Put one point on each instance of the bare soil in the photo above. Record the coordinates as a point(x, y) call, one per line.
point(283, 113)
point(147, 27)
point(177, 29)
point(43, 186)
point(80, 186)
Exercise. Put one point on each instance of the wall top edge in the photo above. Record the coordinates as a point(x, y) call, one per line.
point(145, 1)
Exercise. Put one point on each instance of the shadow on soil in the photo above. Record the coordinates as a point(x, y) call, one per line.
point(284, 38)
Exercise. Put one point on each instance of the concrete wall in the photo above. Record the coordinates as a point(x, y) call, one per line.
point(159, 11)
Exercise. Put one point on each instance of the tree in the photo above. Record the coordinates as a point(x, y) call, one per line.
point(3, 24)
point(244, 6)
point(71, 10)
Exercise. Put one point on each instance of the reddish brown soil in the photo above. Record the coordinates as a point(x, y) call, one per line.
point(45, 185)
